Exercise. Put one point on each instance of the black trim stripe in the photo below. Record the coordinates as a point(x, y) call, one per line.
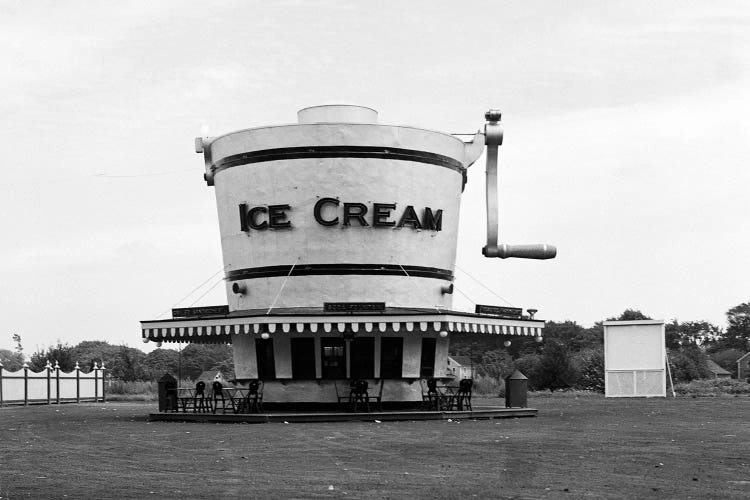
point(338, 152)
point(339, 269)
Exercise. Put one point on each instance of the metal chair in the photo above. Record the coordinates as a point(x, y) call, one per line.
point(379, 397)
point(342, 397)
point(218, 396)
point(200, 400)
point(253, 401)
point(431, 398)
point(463, 396)
point(359, 394)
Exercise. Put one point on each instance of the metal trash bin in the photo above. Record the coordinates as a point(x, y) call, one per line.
point(167, 393)
point(516, 387)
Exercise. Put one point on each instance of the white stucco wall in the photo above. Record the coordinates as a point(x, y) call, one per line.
point(245, 362)
point(441, 356)
point(286, 389)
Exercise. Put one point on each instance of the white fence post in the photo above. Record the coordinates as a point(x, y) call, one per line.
point(57, 381)
point(104, 385)
point(96, 383)
point(78, 383)
point(25, 384)
point(48, 369)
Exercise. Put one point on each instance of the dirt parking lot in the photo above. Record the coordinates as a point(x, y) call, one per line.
point(578, 447)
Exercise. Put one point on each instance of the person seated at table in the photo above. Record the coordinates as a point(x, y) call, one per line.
point(359, 394)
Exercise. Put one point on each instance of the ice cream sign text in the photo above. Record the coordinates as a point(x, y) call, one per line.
point(332, 212)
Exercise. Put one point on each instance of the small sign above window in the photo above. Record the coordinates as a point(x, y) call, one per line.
point(508, 312)
point(191, 312)
point(354, 306)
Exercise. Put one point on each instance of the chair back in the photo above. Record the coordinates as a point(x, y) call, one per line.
point(217, 387)
point(464, 387)
point(253, 387)
point(360, 386)
point(431, 385)
point(200, 388)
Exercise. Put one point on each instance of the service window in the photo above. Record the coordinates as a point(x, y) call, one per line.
point(303, 358)
point(391, 357)
point(362, 358)
point(264, 357)
point(427, 363)
point(333, 357)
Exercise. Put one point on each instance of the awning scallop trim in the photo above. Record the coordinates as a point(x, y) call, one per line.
point(222, 329)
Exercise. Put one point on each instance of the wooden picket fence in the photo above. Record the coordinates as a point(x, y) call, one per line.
point(51, 385)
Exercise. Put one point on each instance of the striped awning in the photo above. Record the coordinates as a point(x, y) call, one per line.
point(210, 330)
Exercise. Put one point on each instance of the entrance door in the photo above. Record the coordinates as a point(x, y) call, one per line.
point(264, 357)
point(303, 358)
point(427, 364)
point(391, 357)
point(362, 358)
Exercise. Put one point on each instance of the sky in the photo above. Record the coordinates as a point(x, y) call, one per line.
point(626, 146)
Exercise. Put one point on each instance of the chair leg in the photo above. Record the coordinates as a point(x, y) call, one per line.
point(434, 402)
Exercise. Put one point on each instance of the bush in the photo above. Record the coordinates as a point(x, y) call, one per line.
point(495, 364)
point(488, 386)
point(121, 387)
point(688, 363)
point(712, 387)
point(589, 365)
point(529, 365)
point(556, 369)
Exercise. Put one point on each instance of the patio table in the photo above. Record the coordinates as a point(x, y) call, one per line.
point(185, 396)
point(235, 396)
point(448, 396)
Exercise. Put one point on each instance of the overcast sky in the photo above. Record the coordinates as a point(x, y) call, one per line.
point(626, 145)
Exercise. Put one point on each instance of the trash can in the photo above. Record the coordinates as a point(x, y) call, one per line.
point(515, 390)
point(167, 393)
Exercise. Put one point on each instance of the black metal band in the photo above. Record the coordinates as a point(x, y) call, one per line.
point(338, 152)
point(339, 269)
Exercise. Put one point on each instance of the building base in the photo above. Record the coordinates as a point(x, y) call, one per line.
point(331, 416)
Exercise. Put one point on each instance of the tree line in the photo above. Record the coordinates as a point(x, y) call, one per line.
point(571, 356)
point(125, 363)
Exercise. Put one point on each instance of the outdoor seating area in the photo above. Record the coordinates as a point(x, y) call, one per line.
point(437, 396)
point(352, 396)
point(358, 396)
point(355, 400)
point(220, 399)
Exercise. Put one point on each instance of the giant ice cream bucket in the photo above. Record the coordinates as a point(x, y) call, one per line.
point(338, 208)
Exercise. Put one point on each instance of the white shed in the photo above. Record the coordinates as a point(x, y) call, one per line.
point(634, 359)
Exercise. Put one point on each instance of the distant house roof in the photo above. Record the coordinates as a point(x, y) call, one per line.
point(716, 369)
point(461, 360)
